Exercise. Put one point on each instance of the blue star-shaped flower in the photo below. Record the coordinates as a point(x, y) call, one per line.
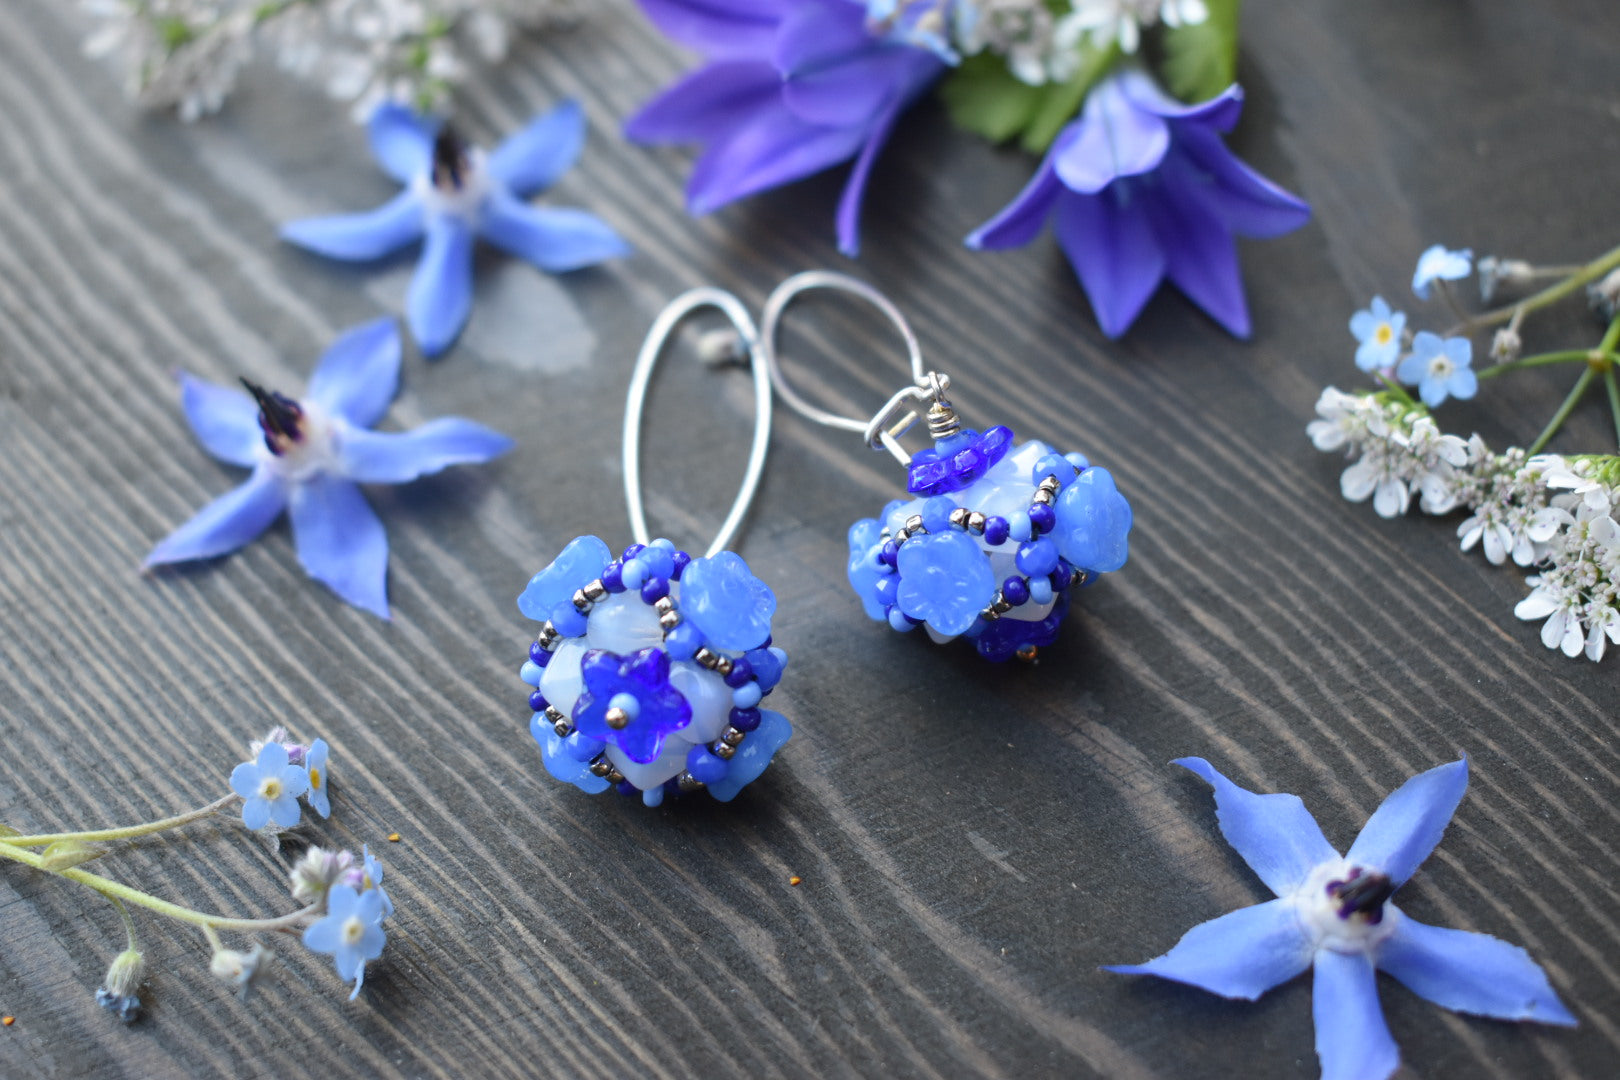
point(455, 193)
point(1334, 913)
point(307, 456)
point(956, 461)
point(1379, 330)
point(945, 580)
point(1440, 264)
point(270, 786)
point(628, 701)
point(315, 764)
point(1439, 368)
point(351, 932)
point(722, 598)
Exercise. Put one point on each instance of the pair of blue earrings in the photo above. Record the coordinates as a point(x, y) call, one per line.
point(650, 669)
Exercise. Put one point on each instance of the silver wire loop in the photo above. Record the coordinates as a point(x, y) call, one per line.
point(636, 405)
point(902, 411)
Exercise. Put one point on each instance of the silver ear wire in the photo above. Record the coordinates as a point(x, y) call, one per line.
point(636, 404)
point(897, 416)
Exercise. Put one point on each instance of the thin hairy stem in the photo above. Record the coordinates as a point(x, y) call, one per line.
point(129, 832)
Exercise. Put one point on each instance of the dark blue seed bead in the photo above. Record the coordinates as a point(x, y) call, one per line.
point(632, 551)
point(540, 656)
point(537, 701)
point(1063, 575)
point(889, 553)
point(1042, 517)
point(654, 589)
point(745, 719)
point(682, 561)
point(625, 787)
point(1015, 591)
point(995, 531)
point(741, 672)
point(766, 643)
point(613, 577)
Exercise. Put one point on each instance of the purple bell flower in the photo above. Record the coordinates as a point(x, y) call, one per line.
point(1141, 188)
point(307, 457)
point(454, 193)
point(791, 87)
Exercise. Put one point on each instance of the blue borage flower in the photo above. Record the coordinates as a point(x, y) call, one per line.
point(350, 932)
point(992, 543)
point(1379, 331)
point(1439, 263)
point(1335, 913)
point(307, 455)
point(269, 786)
point(649, 670)
point(454, 193)
point(1439, 368)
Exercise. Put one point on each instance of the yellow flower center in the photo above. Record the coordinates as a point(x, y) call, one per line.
point(353, 930)
point(1383, 334)
point(314, 778)
point(270, 788)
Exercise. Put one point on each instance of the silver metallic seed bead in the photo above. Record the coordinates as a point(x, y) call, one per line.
point(614, 776)
point(689, 783)
point(975, 522)
point(959, 517)
point(1043, 496)
point(669, 620)
point(706, 657)
point(616, 718)
point(990, 614)
point(547, 637)
point(723, 751)
point(1050, 483)
point(601, 767)
point(732, 736)
point(582, 603)
point(722, 666)
point(1080, 577)
point(595, 590)
point(664, 605)
point(901, 537)
point(914, 524)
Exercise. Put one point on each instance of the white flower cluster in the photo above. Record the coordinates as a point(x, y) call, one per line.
point(1553, 513)
point(1042, 42)
point(186, 54)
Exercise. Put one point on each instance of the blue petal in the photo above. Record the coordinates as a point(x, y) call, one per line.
point(753, 755)
point(1022, 220)
point(705, 103)
point(1112, 139)
point(1352, 1040)
point(1471, 973)
point(440, 297)
point(1275, 834)
point(360, 237)
point(1201, 259)
point(720, 28)
point(245, 779)
point(341, 543)
point(401, 140)
point(225, 421)
point(256, 813)
point(225, 524)
point(358, 375)
point(1408, 825)
point(1242, 954)
point(324, 935)
point(849, 201)
point(559, 763)
point(765, 148)
point(577, 564)
point(376, 457)
point(554, 239)
point(536, 157)
point(1110, 242)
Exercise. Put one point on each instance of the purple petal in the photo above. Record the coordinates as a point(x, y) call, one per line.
point(227, 523)
point(537, 156)
point(1352, 1040)
point(772, 147)
point(1402, 831)
point(401, 140)
point(1110, 242)
point(359, 237)
point(706, 103)
point(1021, 220)
point(554, 239)
point(1471, 973)
point(1201, 259)
point(1201, 167)
point(225, 421)
point(375, 457)
point(818, 35)
point(358, 375)
point(1219, 113)
point(1110, 140)
point(341, 543)
point(849, 202)
point(440, 296)
point(851, 92)
point(1275, 834)
point(720, 28)
point(1242, 954)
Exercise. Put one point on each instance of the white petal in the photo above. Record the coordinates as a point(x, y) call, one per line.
point(1552, 631)
point(1392, 498)
point(1574, 640)
point(1538, 605)
point(1357, 482)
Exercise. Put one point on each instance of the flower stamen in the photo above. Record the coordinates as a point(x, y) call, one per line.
point(450, 164)
point(1362, 893)
point(280, 418)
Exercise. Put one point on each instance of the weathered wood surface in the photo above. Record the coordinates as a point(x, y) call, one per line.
point(973, 840)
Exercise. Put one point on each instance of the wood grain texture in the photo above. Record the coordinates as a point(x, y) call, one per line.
point(973, 840)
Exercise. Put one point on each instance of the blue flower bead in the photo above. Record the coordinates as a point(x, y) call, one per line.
point(629, 702)
point(729, 604)
point(945, 581)
point(1093, 523)
point(580, 563)
point(865, 567)
point(956, 461)
point(753, 755)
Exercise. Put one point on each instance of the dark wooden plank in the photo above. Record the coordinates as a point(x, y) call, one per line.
point(972, 840)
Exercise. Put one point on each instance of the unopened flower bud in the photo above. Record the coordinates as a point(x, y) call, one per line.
point(275, 734)
point(240, 970)
point(1506, 345)
point(1495, 273)
point(1603, 296)
point(317, 872)
point(119, 991)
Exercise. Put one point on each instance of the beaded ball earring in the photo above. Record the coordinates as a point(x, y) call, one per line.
point(649, 670)
point(992, 535)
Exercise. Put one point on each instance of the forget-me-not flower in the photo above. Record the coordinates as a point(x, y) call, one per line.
point(1334, 913)
point(350, 932)
point(1141, 188)
point(1440, 264)
point(1379, 330)
point(454, 193)
point(1439, 368)
point(368, 876)
point(315, 764)
point(308, 456)
point(269, 787)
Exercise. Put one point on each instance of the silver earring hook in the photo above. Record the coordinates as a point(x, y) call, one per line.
point(884, 429)
point(636, 405)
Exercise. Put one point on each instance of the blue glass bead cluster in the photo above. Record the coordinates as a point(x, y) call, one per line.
point(991, 542)
point(650, 670)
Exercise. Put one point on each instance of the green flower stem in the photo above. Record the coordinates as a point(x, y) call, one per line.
point(1613, 384)
point(1611, 336)
point(129, 832)
point(129, 923)
point(1566, 356)
point(1550, 295)
point(1563, 412)
point(1399, 390)
point(117, 891)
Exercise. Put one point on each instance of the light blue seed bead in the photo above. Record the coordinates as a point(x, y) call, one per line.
point(1040, 591)
point(936, 513)
point(635, 572)
point(683, 642)
point(629, 704)
point(531, 672)
point(1052, 465)
point(747, 695)
point(659, 562)
point(665, 543)
point(898, 620)
point(653, 796)
point(567, 619)
point(1018, 526)
point(1078, 460)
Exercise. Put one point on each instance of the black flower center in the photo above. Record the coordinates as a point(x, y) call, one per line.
point(280, 418)
point(449, 160)
point(1362, 892)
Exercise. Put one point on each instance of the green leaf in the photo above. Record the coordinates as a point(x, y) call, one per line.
point(1060, 103)
point(983, 97)
point(68, 853)
point(1200, 61)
